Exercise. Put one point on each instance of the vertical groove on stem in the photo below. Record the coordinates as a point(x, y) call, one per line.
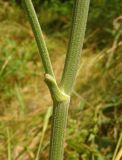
point(59, 122)
point(80, 14)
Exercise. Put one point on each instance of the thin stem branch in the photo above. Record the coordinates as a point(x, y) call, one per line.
point(80, 14)
point(117, 146)
point(39, 37)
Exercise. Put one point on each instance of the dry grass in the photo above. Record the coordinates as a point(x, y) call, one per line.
point(95, 113)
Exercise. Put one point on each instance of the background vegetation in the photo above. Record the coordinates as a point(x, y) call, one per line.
point(95, 121)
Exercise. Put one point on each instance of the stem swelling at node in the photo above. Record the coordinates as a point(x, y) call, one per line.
point(61, 93)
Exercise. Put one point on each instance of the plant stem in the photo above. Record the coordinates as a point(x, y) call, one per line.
point(45, 126)
point(119, 155)
point(59, 122)
point(80, 14)
point(38, 36)
point(60, 95)
point(9, 144)
point(69, 74)
point(117, 146)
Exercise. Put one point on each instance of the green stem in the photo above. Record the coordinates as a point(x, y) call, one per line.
point(59, 122)
point(9, 144)
point(69, 74)
point(60, 95)
point(80, 14)
point(38, 36)
point(117, 146)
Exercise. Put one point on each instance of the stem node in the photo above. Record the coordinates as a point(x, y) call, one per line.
point(56, 93)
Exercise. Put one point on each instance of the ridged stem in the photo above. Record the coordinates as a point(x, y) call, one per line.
point(60, 113)
point(38, 36)
point(61, 94)
point(79, 20)
point(59, 122)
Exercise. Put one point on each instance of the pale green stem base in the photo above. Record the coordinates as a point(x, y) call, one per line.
point(59, 122)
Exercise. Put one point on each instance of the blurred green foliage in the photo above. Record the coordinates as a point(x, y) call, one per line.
point(101, 16)
point(95, 120)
